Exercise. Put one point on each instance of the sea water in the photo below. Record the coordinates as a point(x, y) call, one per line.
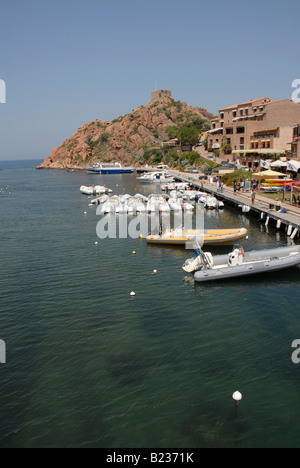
point(88, 366)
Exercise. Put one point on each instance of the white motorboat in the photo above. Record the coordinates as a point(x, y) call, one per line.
point(156, 178)
point(104, 168)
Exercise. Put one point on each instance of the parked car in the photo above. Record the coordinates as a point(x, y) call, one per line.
point(245, 168)
point(225, 163)
point(211, 158)
point(193, 170)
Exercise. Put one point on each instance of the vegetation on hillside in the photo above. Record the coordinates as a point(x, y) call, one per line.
point(136, 138)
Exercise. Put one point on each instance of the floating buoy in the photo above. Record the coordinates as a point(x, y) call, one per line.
point(154, 272)
point(132, 294)
point(141, 236)
point(134, 252)
point(96, 243)
point(294, 234)
point(85, 212)
point(290, 230)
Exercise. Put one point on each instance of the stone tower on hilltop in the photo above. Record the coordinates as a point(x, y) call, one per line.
point(161, 94)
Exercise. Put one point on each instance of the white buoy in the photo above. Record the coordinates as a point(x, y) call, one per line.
point(96, 243)
point(132, 294)
point(237, 397)
point(155, 272)
point(294, 233)
point(85, 213)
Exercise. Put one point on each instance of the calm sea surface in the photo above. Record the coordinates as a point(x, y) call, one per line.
point(87, 366)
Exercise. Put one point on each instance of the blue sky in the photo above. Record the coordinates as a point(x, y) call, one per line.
point(67, 62)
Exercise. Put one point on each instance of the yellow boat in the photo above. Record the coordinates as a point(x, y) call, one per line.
point(209, 236)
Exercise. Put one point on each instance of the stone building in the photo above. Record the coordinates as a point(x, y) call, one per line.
point(161, 94)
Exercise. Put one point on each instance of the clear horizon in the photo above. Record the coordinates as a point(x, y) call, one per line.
point(69, 62)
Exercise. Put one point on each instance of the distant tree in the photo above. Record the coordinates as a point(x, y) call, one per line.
point(172, 132)
point(193, 157)
point(188, 135)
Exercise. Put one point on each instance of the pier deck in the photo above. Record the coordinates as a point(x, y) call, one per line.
point(260, 207)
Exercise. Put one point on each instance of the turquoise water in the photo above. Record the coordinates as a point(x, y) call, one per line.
point(87, 366)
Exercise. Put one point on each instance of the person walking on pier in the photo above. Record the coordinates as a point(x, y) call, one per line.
point(235, 187)
point(253, 195)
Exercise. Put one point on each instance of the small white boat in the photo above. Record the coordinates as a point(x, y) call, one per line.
point(158, 203)
point(156, 178)
point(94, 190)
point(175, 205)
point(211, 203)
point(100, 200)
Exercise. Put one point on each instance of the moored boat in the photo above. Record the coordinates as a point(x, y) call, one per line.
point(182, 236)
point(103, 168)
point(239, 264)
point(156, 178)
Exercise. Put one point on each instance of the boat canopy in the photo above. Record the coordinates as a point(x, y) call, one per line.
point(268, 175)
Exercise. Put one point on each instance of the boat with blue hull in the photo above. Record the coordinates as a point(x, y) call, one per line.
point(105, 168)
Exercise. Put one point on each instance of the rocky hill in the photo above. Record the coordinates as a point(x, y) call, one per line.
point(126, 139)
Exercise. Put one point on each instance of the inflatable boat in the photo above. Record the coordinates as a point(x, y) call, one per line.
point(239, 264)
point(211, 236)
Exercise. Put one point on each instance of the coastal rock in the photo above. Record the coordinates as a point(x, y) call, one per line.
point(125, 139)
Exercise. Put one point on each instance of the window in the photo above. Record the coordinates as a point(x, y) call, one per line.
point(241, 112)
point(240, 130)
point(229, 131)
point(222, 115)
point(234, 114)
point(242, 141)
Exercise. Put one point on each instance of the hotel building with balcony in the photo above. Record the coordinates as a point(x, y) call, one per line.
point(296, 143)
point(255, 130)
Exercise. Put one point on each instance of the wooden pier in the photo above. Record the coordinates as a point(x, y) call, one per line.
point(261, 209)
